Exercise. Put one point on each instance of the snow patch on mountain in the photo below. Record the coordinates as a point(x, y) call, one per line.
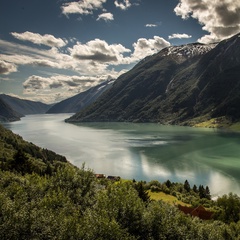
point(189, 50)
point(103, 85)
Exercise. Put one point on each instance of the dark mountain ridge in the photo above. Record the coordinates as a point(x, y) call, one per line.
point(80, 101)
point(7, 114)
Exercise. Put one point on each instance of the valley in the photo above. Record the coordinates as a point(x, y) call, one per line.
point(145, 151)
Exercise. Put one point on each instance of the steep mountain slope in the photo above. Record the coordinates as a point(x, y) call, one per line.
point(178, 85)
point(160, 88)
point(220, 80)
point(7, 114)
point(25, 107)
point(81, 100)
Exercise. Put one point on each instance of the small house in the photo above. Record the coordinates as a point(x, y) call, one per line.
point(199, 212)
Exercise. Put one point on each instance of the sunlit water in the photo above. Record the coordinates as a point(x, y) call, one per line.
point(141, 151)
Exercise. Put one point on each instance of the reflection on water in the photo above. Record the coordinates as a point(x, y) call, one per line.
point(141, 151)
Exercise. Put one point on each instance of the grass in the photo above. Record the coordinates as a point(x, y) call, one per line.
point(235, 126)
point(220, 122)
point(166, 198)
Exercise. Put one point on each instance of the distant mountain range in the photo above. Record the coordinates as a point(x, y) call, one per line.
point(23, 106)
point(12, 108)
point(179, 85)
point(80, 101)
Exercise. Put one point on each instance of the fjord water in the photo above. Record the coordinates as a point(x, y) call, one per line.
point(141, 151)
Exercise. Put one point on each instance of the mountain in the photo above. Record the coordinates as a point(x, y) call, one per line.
point(81, 100)
point(7, 114)
point(25, 107)
point(179, 85)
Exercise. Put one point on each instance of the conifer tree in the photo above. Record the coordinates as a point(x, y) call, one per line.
point(187, 186)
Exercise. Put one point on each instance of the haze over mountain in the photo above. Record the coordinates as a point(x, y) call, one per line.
point(81, 100)
point(25, 107)
point(178, 85)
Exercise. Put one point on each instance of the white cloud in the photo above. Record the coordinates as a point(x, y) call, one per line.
point(180, 36)
point(99, 51)
point(19, 54)
point(151, 25)
point(36, 38)
point(14, 48)
point(106, 17)
point(7, 68)
point(144, 47)
point(220, 18)
point(95, 56)
point(93, 61)
point(5, 79)
point(83, 7)
point(57, 81)
point(125, 4)
point(60, 86)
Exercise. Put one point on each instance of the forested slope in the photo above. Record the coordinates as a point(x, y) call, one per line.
point(42, 196)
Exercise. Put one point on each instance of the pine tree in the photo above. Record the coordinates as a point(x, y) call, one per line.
point(168, 183)
point(19, 162)
point(195, 188)
point(142, 193)
point(208, 195)
point(201, 191)
point(187, 186)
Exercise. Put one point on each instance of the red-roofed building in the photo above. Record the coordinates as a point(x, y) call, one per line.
point(199, 212)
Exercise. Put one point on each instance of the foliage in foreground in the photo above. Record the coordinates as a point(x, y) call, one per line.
point(65, 202)
point(70, 205)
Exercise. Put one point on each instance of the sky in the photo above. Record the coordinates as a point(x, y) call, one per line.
point(53, 49)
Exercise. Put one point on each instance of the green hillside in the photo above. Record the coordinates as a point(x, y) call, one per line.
point(42, 196)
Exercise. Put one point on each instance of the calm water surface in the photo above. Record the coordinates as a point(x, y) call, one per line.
point(141, 151)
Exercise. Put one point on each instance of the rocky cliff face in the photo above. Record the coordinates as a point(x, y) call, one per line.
point(176, 85)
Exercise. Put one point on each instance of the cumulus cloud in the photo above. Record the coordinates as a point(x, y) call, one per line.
point(180, 36)
point(125, 4)
point(83, 7)
point(106, 17)
point(60, 86)
point(100, 51)
point(36, 38)
point(95, 56)
point(37, 82)
point(220, 18)
point(144, 47)
point(7, 68)
point(89, 62)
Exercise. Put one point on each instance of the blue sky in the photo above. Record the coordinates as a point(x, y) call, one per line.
point(53, 49)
